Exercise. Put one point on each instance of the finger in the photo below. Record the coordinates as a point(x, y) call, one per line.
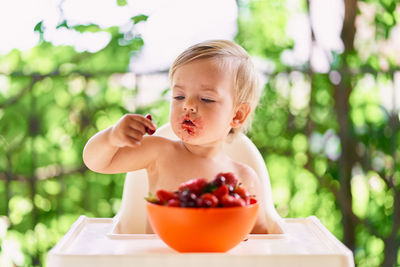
point(147, 129)
point(146, 122)
point(131, 142)
point(137, 124)
point(136, 130)
point(135, 134)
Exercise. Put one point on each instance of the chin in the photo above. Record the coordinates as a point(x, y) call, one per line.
point(191, 138)
point(186, 133)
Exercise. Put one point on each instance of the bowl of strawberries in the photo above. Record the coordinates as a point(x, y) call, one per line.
point(203, 216)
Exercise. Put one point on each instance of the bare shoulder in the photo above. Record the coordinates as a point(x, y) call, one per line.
point(150, 145)
point(160, 143)
point(157, 140)
point(161, 147)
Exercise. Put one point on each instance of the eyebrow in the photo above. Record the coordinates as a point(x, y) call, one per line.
point(203, 86)
point(208, 88)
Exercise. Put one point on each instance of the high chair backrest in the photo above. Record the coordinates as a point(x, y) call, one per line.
point(131, 217)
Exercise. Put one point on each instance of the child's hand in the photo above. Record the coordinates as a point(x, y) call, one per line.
point(129, 130)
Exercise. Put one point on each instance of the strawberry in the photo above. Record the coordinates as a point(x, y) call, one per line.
point(194, 185)
point(221, 191)
point(148, 130)
point(230, 178)
point(208, 201)
point(219, 180)
point(164, 195)
point(187, 198)
point(174, 203)
point(252, 201)
point(231, 201)
point(231, 189)
point(243, 193)
point(235, 195)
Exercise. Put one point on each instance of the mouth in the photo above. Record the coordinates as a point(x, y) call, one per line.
point(189, 123)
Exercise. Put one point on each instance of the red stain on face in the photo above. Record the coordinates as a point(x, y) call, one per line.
point(191, 126)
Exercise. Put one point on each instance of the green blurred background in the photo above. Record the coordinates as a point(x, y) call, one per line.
point(330, 138)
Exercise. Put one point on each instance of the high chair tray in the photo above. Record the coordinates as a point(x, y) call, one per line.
point(90, 242)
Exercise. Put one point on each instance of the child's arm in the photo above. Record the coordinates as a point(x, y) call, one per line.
point(121, 148)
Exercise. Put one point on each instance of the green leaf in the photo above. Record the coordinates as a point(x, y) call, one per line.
point(39, 27)
point(63, 24)
point(151, 198)
point(209, 187)
point(122, 2)
point(87, 28)
point(139, 18)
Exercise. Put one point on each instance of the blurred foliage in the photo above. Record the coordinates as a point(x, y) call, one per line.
point(53, 99)
point(297, 129)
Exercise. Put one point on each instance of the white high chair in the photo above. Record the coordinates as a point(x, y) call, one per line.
point(131, 217)
point(120, 241)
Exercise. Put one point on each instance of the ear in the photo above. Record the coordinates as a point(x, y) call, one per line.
point(241, 114)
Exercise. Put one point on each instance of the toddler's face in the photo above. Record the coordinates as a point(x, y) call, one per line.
point(202, 102)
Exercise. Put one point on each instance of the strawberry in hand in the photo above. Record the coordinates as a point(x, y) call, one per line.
point(148, 130)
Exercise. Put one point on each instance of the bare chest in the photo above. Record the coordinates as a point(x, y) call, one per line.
point(169, 173)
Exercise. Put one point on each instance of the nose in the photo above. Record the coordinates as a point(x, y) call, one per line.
point(190, 105)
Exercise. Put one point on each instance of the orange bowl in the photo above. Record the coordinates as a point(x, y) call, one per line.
point(202, 229)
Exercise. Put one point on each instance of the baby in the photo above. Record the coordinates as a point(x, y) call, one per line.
point(214, 91)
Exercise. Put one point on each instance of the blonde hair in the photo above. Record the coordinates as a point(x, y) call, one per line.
point(246, 83)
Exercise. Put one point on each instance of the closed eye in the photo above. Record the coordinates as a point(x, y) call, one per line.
point(207, 100)
point(179, 97)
